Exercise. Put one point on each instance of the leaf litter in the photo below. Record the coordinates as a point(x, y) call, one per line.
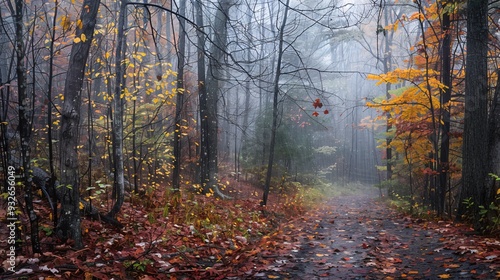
point(346, 237)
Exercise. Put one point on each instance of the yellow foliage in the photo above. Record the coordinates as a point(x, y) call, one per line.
point(432, 12)
point(65, 23)
point(417, 15)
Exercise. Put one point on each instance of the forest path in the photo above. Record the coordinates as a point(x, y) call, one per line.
point(359, 237)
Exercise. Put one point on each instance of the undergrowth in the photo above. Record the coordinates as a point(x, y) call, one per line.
point(405, 205)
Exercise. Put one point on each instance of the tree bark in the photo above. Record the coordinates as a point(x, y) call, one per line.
point(445, 112)
point(202, 96)
point(4, 108)
point(24, 126)
point(209, 115)
point(50, 137)
point(493, 147)
point(387, 68)
point(69, 222)
point(475, 152)
point(118, 104)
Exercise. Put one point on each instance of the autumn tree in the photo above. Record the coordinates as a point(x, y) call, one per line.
point(387, 36)
point(428, 108)
point(428, 86)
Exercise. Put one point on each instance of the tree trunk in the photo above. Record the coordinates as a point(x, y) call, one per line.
point(475, 152)
point(209, 116)
point(24, 126)
point(276, 92)
point(445, 112)
point(214, 73)
point(387, 68)
point(50, 137)
point(118, 104)
point(4, 105)
point(493, 147)
point(69, 222)
point(202, 95)
point(180, 98)
point(243, 151)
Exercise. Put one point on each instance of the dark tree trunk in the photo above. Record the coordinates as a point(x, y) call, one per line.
point(243, 150)
point(209, 116)
point(387, 68)
point(4, 108)
point(69, 222)
point(276, 92)
point(202, 95)
point(118, 104)
point(180, 98)
point(214, 74)
point(24, 126)
point(50, 137)
point(475, 148)
point(493, 147)
point(445, 112)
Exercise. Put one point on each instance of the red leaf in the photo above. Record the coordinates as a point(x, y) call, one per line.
point(315, 114)
point(317, 103)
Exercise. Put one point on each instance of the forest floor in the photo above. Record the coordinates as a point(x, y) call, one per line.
point(354, 235)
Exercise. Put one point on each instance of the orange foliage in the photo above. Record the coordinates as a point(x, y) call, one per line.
point(414, 108)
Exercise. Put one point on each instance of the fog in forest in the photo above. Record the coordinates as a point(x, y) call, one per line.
point(313, 55)
point(328, 50)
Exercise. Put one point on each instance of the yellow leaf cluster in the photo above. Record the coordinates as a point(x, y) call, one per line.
point(408, 108)
point(417, 15)
point(412, 109)
point(82, 38)
point(400, 75)
point(65, 23)
point(79, 24)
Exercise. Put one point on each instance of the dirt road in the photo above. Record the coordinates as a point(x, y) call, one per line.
point(359, 237)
